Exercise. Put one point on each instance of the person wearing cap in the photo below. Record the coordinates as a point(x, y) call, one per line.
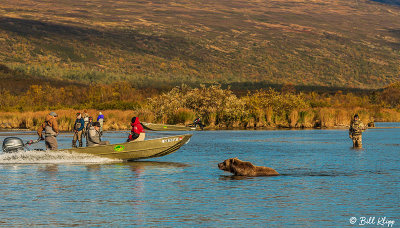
point(355, 131)
point(100, 119)
point(85, 117)
point(88, 127)
point(78, 130)
point(94, 136)
point(89, 123)
point(137, 131)
point(50, 128)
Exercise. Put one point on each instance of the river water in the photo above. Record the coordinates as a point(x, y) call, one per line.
point(324, 183)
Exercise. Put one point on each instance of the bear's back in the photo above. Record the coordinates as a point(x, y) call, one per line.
point(266, 171)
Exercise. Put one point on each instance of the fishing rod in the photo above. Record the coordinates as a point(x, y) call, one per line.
point(30, 142)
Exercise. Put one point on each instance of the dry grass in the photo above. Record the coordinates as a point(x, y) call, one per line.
point(220, 108)
point(120, 120)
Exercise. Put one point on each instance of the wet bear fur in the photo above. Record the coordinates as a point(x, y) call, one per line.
point(244, 168)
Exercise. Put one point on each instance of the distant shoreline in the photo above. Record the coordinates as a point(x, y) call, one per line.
point(33, 132)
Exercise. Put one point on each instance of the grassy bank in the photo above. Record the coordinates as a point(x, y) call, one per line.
point(120, 120)
point(221, 108)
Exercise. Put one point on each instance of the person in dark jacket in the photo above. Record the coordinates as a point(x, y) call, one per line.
point(78, 130)
point(137, 131)
point(94, 136)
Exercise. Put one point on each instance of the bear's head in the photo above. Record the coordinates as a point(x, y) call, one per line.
point(227, 164)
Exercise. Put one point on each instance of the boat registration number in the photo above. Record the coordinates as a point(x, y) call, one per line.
point(171, 140)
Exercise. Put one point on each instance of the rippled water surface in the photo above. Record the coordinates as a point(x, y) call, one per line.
point(323, 183)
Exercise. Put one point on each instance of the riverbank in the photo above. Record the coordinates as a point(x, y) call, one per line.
point(120, 120)
point(218, 108)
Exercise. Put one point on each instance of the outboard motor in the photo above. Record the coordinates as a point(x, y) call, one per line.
point(13, 144)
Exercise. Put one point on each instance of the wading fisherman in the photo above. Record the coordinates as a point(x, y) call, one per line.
point(50, 128)
point(137, 131)
point(94, 136)
point(78, 130)
point(355, 131)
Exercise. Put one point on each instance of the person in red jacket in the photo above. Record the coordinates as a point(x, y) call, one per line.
point(137, 132)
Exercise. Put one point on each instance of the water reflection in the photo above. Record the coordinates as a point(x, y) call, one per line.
point(297, 174)
point(137, 166)
point(234, 177)
point(49, 169)
point(93, 167)
point(156, 164)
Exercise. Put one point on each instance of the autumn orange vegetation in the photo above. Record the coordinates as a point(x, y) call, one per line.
point(219, 108)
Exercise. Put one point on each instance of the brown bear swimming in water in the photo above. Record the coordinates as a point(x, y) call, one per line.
point(244, 168)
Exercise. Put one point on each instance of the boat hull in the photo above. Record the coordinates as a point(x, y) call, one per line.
point(130, 151)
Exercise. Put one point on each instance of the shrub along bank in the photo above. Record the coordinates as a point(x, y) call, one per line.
point(219, 108)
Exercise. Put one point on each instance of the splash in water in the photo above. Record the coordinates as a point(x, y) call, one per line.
point(53, 157)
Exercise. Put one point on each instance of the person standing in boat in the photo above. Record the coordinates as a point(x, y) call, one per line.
point(355, 131)
point(78, 130)
point(88, 127)
point(50, 128)
point(100, 119)
point(94, 136)
point(89, 123)
point(137, 131)
point(85, 117)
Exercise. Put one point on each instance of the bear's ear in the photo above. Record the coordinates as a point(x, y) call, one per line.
point(233, 160)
